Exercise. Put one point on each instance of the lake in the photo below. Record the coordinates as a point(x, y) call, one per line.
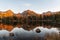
point(26, 32)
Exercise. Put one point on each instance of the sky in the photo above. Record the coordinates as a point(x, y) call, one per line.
point(38, 6)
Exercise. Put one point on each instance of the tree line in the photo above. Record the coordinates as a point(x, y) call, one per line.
point(45, 19)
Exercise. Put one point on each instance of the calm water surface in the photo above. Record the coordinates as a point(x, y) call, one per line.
point(33, 34)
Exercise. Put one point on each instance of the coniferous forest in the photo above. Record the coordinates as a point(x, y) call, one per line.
point(30, 17)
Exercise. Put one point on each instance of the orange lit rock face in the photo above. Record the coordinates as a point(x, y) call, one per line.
point(48, 14)
point(18, 15)
point(8, 13)
point(28, 13)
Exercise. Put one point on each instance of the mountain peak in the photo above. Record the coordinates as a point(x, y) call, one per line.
point(28, 12)
point(9, 11)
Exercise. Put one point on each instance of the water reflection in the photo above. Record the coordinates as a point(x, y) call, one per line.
point(25, 27)
point(26, 32)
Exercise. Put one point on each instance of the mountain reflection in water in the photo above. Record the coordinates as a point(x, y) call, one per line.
point(26, 32)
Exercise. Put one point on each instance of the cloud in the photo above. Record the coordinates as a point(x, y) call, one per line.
point(27, 4)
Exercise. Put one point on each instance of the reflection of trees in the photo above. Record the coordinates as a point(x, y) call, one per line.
point(28, 27)
point(24, 26)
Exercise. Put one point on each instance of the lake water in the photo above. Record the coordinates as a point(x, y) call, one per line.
point(36, 33)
